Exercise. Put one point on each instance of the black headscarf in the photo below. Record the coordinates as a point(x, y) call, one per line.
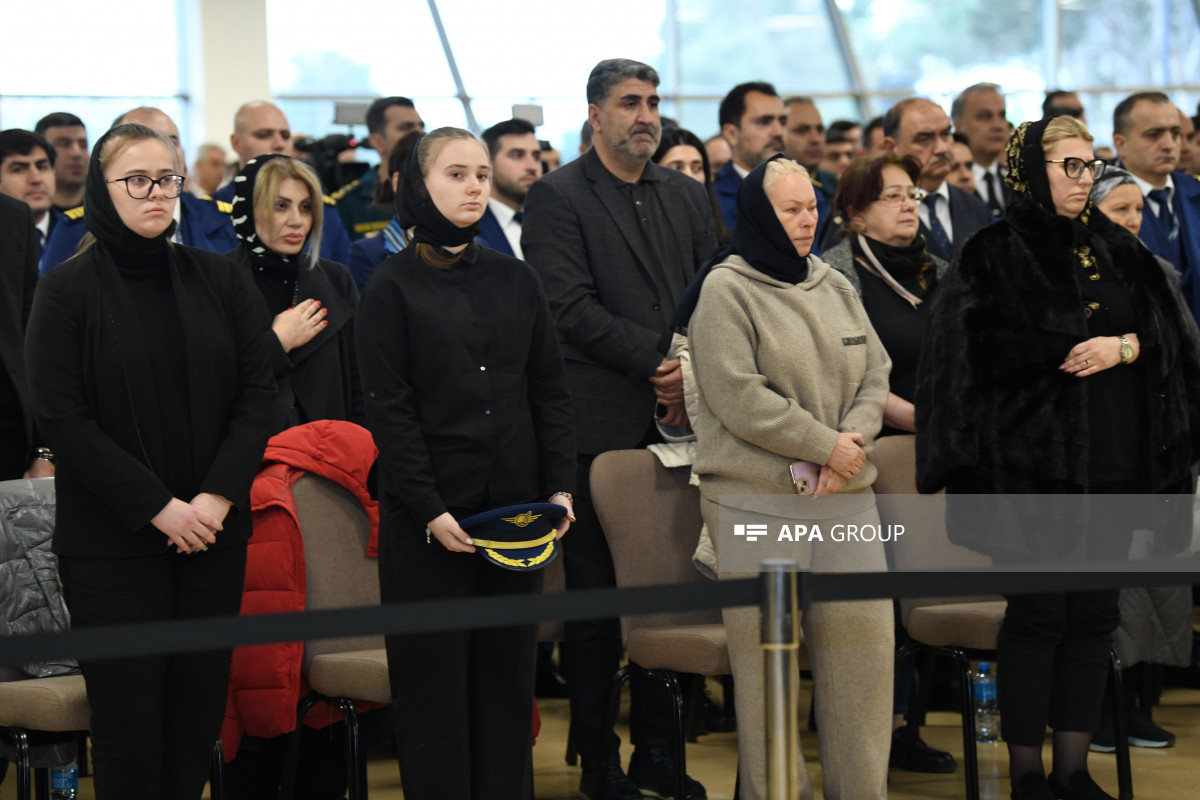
point(261, 256)
point(102, 219)
point(1031, 187)
point(758, 237)
point(416, 209)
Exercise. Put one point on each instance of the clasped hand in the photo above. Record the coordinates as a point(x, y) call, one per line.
point(668, 390)
point(844, 463)
point(193, 526)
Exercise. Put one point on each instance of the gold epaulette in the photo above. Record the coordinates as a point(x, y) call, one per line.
point(342, 191)
point(224, 207)
point(329, 201)
point(367, 228)
point(816, 182)
point(74, 213)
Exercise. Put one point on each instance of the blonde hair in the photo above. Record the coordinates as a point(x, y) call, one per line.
point(1064, 127)
point(778, 168)
point(427, 151)
point(266, 186)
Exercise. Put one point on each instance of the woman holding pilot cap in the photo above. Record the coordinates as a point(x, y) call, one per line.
point(466, 397)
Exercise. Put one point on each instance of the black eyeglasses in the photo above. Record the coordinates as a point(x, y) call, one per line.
point(1074, 167)
point(140, 186)
point(896, 197)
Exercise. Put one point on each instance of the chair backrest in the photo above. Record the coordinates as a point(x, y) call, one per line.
point(651, 519)
point(339, 574)
point(926, 545)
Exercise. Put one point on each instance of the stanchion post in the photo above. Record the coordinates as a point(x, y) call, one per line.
point(781, 643)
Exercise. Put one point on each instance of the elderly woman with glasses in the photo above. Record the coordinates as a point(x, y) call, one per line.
point(884, 258)
point(1055, 363)
point(150, 381)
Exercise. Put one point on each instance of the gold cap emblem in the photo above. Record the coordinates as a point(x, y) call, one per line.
point(522, 519)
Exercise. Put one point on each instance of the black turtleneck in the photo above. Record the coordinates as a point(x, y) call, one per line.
point(148, 282)
point(277, 283)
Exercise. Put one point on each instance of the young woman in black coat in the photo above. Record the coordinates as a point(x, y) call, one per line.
point(307, 302)
point(150, 383)
point(467, 399)
point(1056, 363)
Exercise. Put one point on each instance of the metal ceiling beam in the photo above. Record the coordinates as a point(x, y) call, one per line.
point(450, 62)
point(842, 37)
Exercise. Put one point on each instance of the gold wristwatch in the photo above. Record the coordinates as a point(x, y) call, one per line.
point(1126, 350)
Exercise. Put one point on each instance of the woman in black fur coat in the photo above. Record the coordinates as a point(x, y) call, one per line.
point(1055, 364)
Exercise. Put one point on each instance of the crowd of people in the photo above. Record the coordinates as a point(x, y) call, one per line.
point(1021, 305)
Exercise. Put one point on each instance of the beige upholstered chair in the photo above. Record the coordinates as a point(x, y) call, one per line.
point(339, 575)
point(956, 627)
point(651, 519)
point(38, 706)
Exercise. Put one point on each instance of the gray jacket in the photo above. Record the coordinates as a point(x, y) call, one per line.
point(30, 595)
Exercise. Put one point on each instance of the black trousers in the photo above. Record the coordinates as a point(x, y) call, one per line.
point(154, 719)
point(593, 647)
point(463, 700)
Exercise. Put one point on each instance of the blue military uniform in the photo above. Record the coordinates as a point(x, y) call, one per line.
point(335, 242)
point(1179, 243)
point(356, 206)
point(204, 223)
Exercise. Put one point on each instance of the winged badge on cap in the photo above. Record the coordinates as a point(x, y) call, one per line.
point(522, 519)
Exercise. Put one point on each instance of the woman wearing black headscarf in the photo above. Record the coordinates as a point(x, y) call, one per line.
point(307, 302)
point(1055, 364)
point(151, 383)
point(466, 398)
point(788, 368)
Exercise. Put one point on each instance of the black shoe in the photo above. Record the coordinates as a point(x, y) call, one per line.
point(1079, 786)
point(1144, 733)
point(652, 770)
point(616, 787)
point(1104, 740)
point(910, 753)
point(1033, 787)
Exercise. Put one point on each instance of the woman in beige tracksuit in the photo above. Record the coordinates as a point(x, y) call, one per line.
point(788, 368)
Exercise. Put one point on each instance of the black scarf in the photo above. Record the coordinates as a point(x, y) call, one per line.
point(758, 237)
point(1031, 191)
point(262, 257)
point(416, 209)
point(103, 221)
point(902, 261)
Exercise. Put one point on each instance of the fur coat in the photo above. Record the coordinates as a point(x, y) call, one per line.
point(995, 415)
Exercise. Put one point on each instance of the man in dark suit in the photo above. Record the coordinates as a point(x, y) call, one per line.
point(1147, 135)
point(27, 174)
point(516, 164)
point(920, 128)
point(980, 112)
point(752, 120)
point(18, 277)
point(202, 222)
point(616, 239)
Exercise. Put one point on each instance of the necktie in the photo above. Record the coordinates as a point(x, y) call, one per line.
point(993, 198)
point(1166, 214)
point(41, 240)
point(519, 217)
point(941, 242)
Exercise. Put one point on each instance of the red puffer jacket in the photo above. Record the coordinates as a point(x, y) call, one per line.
point(265, 682)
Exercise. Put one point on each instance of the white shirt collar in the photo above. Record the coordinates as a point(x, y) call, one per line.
point(1145, 186)
point(44, 225)
point(738, 169)
point(503, 213)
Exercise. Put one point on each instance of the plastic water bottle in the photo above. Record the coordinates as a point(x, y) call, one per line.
point(64, 782)
point(987, 717)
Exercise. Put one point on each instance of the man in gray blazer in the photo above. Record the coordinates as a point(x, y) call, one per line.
point(616, 240)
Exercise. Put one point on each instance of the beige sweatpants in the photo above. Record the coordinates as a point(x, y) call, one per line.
point(850, 646)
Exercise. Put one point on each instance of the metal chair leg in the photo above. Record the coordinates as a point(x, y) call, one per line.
point(612, 707)
point(1120, 729)
point(970, 756)
point(21, 743)
point(291, 763)
point(216, 777)
point(356, 764)
point(41, 783)
point(678, 743)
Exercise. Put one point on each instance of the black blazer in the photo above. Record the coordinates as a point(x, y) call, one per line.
point(967, 214)
point(322, 376)
point(612, 309)
point(465, 389)
point(18, 278)
point(93, 391)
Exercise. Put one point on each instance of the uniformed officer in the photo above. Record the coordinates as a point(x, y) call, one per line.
point(27, 174)
point(389, 119)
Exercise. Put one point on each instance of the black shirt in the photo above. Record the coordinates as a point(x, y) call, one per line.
point(464, 383)
point(656, 233)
